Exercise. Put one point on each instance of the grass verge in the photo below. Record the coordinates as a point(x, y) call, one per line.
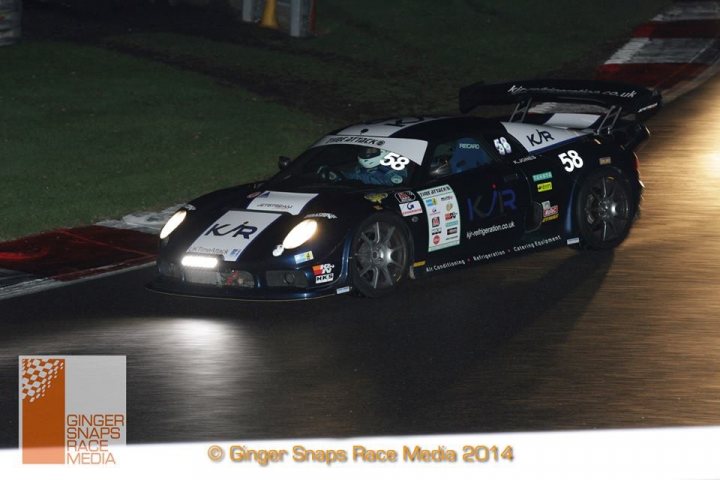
point(378, 58)
point(176, 108)
point(87, 134)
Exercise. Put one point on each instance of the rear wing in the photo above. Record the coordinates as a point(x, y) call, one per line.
point(618, 98)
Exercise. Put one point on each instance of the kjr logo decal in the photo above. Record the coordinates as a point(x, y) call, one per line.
point(243, 229)
point(230, 234)
point(72, 409)
point(539, 137)
point(500, 200)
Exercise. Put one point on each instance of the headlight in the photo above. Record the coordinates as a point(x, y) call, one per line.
point(173, 223)
point(199, 261)
point(302, 232)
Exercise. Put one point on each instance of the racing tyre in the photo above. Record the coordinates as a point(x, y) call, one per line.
point(604, 210)
point(380, 255)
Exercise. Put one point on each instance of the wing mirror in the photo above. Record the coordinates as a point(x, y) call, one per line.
point(283, 162)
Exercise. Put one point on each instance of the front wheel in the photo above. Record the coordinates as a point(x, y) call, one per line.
point(380, 255)
point(604, 210)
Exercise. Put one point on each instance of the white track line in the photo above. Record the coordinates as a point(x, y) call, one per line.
point(40, 284)
point(690, 11)
point(664, 50)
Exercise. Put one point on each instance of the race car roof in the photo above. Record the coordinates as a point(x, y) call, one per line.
point(422, 128)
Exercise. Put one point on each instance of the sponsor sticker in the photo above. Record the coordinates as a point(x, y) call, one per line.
point(469, 146)
point(535, 138)
point(550, 211)
point(342, 290)
point(410, 208)
point(304, 257)
point(481, 232)
point(412, 149)
point(536, 244)
point(544, 187)
point(442, 207)
point(529, 158)
point(404, 197)
point(376, 197)
point(284, 202)
point(605, 160)
point(542, 176)
point(230, 234)
point(446, 265)
point(323, 273)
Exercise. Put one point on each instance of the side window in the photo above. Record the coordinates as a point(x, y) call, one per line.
point(458, 155)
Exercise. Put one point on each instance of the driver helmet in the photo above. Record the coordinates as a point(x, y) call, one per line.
point(440, 163)
point(370, 157)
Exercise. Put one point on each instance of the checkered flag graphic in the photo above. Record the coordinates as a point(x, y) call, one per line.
point(38, 376)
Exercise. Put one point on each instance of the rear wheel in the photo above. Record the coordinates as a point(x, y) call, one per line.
point(604, 210)
point(380, 255)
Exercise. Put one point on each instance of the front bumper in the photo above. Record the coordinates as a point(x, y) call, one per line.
point(252, 284)
point(178, 287)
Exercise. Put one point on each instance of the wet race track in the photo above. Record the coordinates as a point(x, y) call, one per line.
point(555, 340)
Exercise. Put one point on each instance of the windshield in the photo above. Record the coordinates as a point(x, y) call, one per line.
point(352, 164)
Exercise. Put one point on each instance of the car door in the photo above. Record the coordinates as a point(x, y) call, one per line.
point(474, 202)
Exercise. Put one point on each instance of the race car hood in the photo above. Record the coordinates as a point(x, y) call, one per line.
point(247, 225)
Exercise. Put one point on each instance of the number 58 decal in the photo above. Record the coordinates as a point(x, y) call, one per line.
point(571, 160)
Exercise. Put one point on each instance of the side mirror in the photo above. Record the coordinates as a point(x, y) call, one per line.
point(283, 162)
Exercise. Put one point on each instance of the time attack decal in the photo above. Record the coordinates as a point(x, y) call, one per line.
point(443, 216)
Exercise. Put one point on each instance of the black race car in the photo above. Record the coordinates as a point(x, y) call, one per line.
point(371, 205)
